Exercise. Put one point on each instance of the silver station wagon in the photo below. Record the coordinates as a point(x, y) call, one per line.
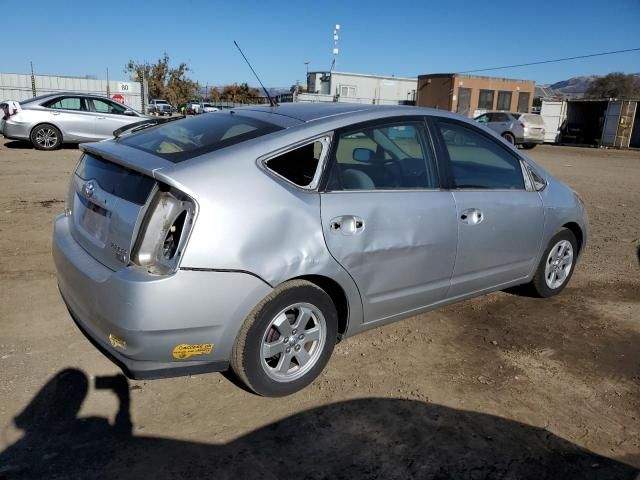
point(255, 238)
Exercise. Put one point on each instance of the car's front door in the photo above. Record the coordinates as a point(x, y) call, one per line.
point(500, 219)
point(109, 116)
point(386, 220)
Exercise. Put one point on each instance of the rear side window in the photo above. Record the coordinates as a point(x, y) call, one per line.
point(300, 165)
point(478, 162)
point(69, 103)
point(182, 140)
point(120, 181)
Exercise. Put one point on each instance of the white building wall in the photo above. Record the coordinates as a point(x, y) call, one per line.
point(361, 88)
point(15, 86)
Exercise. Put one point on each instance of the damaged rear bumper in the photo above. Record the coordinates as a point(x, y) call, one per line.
point(154, 326)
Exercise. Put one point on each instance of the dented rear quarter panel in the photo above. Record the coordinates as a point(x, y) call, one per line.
point(250, 220)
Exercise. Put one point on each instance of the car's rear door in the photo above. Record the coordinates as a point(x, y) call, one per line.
point(500, 217)
point(71, 115)
point(109, 116)
point(385, 218)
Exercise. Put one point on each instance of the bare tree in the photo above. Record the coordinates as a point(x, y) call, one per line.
point(615, 85)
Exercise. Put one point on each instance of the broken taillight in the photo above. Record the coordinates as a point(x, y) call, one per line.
point(164, 232)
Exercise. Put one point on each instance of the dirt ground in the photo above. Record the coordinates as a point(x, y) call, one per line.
point(497, 387)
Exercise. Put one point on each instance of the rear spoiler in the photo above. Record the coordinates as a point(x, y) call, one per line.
point(151, 122)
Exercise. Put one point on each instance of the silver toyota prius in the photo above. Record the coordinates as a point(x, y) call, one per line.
point(256, 238)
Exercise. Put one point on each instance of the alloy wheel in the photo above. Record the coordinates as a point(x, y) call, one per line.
point(559, 264)
point(293, 342)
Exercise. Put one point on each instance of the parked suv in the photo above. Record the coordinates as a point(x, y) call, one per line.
point(524, 129)
point(160, 107)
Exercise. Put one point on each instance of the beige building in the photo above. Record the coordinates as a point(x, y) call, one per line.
point(472, 94)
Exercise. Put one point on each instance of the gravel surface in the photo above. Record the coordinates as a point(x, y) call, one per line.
point(496, 387)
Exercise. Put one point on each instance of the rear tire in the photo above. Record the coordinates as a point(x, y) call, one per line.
point(528, 146)
point(286, 340)
point(46, 137)
point(509, 138)
point(556, 265)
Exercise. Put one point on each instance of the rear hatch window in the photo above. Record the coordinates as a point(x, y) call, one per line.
point(185, 139)
point(532, 119)
point(107, 202)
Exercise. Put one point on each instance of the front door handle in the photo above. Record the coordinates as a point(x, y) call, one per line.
point(471, 216)
point(102, 118)
point(347, 225)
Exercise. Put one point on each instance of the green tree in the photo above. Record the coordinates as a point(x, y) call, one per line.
point(242, 93)
point(164, 81)
point(615, 85)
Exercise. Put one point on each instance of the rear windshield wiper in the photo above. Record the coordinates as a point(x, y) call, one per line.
point(137, 126)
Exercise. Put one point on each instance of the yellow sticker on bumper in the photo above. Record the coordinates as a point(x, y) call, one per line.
point(117, 342)
point(185, 350)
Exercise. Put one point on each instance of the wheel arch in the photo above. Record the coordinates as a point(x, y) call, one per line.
point(337, 295)
point(47, 123)
point(577, 231)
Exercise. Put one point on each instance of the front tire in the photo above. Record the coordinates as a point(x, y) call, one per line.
point(46, 137)
point(556, 265)
point(286, 340)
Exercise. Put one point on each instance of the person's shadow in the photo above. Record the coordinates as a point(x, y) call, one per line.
point(368, 438)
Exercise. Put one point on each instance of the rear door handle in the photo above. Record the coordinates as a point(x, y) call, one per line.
point(55, 113)
point(347, 225)
point(102, 118)
point(471, 216)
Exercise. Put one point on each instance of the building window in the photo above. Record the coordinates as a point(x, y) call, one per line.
point(347, 91)
point(486, 100)
point(523, 102)
point(464, 101)
point(504, 101)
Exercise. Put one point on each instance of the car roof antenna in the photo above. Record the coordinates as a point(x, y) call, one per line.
point(271, 101)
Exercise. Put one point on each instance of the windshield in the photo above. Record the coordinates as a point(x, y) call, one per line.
point(185, 139)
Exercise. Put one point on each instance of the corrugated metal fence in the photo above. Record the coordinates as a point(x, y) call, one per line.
point(15, 86)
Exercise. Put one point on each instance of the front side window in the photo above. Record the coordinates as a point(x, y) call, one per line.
point(103, 106)
point(383, 157)
point(485, 101)
point(504, 101)
point(68, 103)
point(478, 162)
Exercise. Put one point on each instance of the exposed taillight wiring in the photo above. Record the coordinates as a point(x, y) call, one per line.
point(164, 232)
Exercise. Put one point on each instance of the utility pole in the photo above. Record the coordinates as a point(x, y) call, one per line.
point(33, 81)
point(108, 89)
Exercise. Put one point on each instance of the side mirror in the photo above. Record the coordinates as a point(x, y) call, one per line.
point(363, 155)
point(130, 113)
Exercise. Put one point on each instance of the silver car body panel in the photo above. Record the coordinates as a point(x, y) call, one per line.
point(76, 126)
point(255, 230)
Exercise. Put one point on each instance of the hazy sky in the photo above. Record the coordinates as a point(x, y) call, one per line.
point(403, 38)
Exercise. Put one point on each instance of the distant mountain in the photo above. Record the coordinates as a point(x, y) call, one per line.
point(574, 87)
